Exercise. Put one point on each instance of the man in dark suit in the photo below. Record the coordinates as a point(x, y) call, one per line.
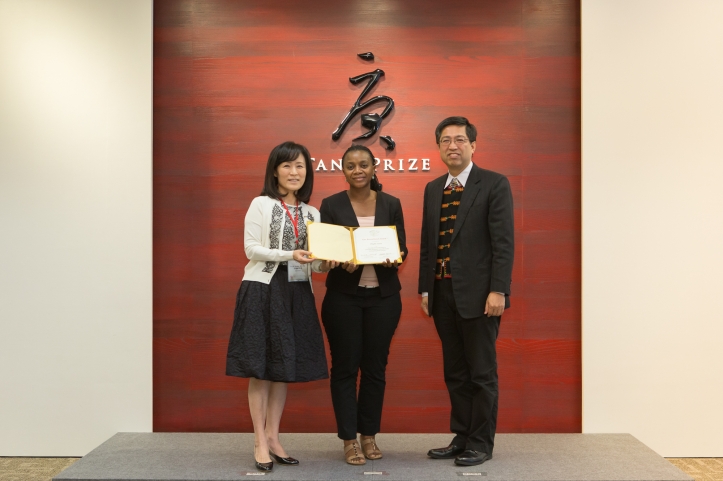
point(465, 270)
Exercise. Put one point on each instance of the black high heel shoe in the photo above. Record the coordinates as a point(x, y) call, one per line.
point(287, 461)
point(264, 466)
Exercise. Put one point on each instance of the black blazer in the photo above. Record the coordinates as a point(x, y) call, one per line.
point(337, 209)
point(482, 245)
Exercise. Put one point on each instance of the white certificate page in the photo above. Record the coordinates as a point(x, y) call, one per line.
point(374, 245)
point(329, 242)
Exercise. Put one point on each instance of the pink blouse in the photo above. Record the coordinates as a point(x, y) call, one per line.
point(369, 276)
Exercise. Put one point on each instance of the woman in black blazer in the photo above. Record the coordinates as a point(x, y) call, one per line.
point(361, 308)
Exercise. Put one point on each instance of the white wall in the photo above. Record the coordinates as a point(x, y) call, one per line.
point(75, 223)
point(652, 81)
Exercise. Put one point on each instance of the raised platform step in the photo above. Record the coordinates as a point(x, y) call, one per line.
point(518, 457)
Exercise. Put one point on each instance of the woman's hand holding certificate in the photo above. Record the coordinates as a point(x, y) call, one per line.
point(350, 267)
point(356, 245)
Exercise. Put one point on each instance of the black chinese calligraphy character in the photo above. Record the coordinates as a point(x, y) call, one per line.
point(370, 121)
point(388, 142)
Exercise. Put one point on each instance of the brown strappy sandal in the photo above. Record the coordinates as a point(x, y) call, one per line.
point(351, 452)
point(370, 448)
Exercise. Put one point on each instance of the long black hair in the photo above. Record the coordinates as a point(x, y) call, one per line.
point(288, 152)
point(374, 184)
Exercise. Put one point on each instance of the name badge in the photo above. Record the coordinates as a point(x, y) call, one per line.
point(297, 272)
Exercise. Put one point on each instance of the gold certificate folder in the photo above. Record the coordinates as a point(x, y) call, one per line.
point(360, 245)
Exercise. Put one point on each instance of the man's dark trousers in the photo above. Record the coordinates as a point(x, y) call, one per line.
point(470, 370)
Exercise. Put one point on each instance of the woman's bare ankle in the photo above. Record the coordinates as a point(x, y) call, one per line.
point(261, 453)
point(276, 447)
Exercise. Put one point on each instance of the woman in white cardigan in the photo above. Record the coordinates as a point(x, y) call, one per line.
point(276, 337)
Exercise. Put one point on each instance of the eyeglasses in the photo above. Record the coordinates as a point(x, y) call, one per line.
point(444, 142)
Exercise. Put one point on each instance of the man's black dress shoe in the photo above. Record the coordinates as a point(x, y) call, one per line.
point(471, 458)
point(264, 466)
point(286, 461)
point(449, 452)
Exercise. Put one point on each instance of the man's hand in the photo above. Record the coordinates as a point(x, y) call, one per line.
point(495, 305)
point(425, 304)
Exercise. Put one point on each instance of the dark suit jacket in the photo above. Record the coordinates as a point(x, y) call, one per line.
point(482, 244)
point(337, 209)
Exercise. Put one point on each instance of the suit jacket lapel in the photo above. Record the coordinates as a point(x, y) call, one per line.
point(380, 211)
point(434, 213)
point(350, 219)
point(470, 193)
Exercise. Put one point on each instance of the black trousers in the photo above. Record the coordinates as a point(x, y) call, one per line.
point(470, 370)
point(359, 329)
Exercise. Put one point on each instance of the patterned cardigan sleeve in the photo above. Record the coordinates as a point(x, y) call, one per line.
point(254, 241)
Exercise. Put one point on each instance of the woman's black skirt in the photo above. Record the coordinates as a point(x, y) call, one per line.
point(276, 334)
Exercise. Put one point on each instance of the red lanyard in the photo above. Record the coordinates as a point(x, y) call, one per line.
point(294, 222)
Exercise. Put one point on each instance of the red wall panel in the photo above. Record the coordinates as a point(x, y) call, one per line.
point(233, 79)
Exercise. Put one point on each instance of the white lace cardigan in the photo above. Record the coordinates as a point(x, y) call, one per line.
point(263, 235)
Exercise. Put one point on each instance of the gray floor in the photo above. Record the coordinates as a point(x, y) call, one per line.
point(203, 456)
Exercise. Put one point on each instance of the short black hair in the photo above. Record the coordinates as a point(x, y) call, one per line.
point(287, 152)
point(469, 128)
point(374, 184)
